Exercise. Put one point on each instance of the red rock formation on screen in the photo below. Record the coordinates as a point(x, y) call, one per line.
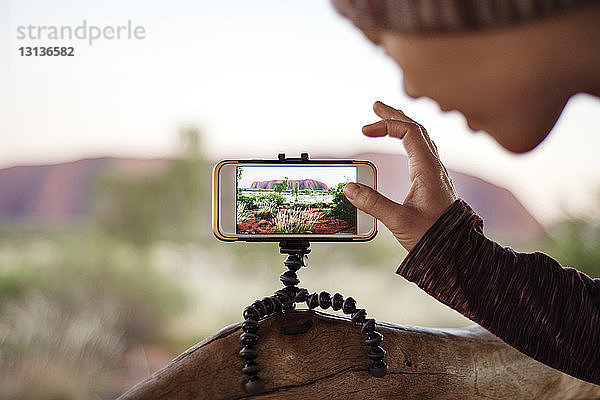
point(303, 184)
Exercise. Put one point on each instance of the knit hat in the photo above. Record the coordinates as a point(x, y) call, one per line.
point(438, 16)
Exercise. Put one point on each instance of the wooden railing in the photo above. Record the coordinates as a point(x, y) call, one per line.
point(328, 361)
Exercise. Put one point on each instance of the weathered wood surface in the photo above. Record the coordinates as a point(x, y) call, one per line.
point(329, 362)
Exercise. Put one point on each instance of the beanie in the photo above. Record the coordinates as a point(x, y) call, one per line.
point(439, 16)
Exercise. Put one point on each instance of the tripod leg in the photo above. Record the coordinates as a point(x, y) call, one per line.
point(285, 299)
point(348, 306)
point(249, 338)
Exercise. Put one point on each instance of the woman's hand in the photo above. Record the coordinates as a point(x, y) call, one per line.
point(431, 191)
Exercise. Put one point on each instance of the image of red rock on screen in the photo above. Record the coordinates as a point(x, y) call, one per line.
point(294, 200)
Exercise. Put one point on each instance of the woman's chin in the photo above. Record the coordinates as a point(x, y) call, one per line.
point(518, 148)
point(515, 142)
point(518, 144)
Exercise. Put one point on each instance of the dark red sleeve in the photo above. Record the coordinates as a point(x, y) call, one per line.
point(547, 312)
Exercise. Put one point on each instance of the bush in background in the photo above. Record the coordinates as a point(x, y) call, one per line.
point(70, 306)
point(71, 303)
point(575, 242)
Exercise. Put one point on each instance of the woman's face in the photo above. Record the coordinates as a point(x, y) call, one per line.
point(501, 82)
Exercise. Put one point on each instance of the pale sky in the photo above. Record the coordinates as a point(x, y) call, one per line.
point(330, 176)
point(258, 78)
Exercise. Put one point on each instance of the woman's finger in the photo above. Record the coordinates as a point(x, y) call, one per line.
point(430, 142)
point(421, 150)
point(376, 129)
point(431, 190)
point(387, 112)
point(384, 111)
point(390, 213)
point(415, 143)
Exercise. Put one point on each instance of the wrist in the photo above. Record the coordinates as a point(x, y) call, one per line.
point(444, 232)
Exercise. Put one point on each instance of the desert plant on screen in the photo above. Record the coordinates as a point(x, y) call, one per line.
point(274, 197)
point(281, 186)
point(242, 212)
point(249, 202)
point(342, 208)
point(296, 221)
point(266, 208)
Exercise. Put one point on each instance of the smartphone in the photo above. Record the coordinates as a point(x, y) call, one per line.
point(273, 200)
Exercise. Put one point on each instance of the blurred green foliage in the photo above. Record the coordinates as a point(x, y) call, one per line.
point(575, 242)
point(72, 303)
point(72, 306)
point(166, 206)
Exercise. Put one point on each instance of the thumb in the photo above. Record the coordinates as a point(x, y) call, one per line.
point(375, 204)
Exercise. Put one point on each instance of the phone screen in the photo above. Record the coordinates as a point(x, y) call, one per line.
point(294, 200)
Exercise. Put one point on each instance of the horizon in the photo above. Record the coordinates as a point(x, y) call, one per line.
point(368, 156)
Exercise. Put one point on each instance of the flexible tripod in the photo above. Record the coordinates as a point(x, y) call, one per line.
point(284, 300)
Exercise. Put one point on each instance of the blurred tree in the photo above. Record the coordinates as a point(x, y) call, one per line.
point(575, 242)
point(168, 205)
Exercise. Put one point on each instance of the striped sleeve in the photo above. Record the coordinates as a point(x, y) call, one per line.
point(547, 312)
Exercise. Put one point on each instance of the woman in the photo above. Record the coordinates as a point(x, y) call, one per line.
point(510, 67)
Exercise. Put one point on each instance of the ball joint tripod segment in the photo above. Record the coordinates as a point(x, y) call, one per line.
point(285, 299)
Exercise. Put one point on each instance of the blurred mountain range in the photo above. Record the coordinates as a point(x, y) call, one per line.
point(61, 195)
